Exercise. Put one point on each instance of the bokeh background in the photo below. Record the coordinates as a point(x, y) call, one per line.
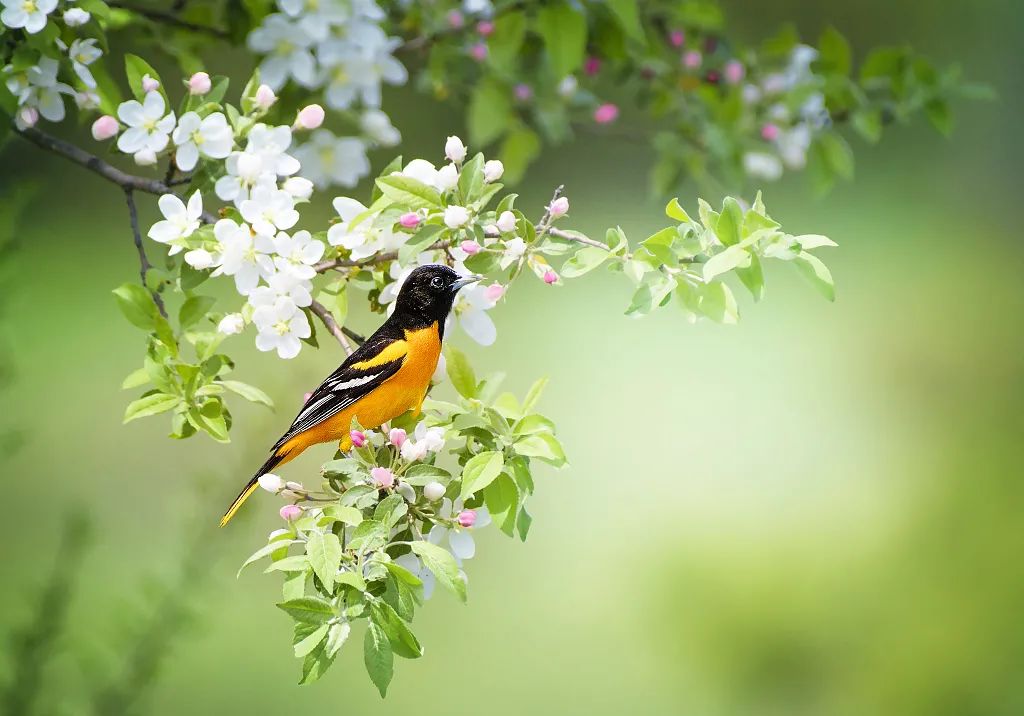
point(816, 512)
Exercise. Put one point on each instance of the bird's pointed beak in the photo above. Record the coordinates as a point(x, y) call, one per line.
point(465, 281)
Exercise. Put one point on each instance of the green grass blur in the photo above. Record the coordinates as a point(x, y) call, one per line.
point(815, 512)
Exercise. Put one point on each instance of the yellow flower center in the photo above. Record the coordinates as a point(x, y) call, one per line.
point(29, 6)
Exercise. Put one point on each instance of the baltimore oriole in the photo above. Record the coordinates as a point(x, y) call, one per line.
point(388, 375)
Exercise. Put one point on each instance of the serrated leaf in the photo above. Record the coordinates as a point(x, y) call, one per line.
point(309, 610)
point(312, 641)
point(480, 471)
point(336, 638)
point(249, 392)
point(150, 405)
point(460, 372)
point(378, 658)
point(324, 553)
point(409, 192)
point(442, 565)
point(194, 309)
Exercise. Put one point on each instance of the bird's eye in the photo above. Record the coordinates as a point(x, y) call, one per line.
point(436, 282)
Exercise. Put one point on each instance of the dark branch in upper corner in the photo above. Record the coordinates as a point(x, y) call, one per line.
point(164, 17)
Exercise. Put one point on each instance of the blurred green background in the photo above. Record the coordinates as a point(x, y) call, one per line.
point(815, 512)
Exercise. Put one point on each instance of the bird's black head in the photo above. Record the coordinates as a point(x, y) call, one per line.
point(428, 294)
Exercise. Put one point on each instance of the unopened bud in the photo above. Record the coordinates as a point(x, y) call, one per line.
point(467, 518)
point(358, 438)
point(290, 513)
point(433, 491)
point(199, 83)
point(382, 477)
point(310, 117)
point(271, 483)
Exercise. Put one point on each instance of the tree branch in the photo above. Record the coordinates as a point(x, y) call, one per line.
point(340, 333)
point(144, 265)
point(170, 18)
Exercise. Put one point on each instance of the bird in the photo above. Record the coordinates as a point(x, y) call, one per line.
point(386, 376)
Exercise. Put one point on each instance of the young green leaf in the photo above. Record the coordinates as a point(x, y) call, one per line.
point(377, 656)
point(443, 566)
point(460, 372)
point(324, 552)
point(309, 610)
point(480, 471)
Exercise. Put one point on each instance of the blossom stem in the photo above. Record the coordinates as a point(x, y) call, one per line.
point(144, 265)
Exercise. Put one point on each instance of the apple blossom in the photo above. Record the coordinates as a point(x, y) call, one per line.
point(286, 46)
point(358, 438)
point(514, 250)
point(466, 518)
point(478, 51)
point(559, 207)
point(76, 17)
point(282, 284)
point(104, 128)
point(409, 220)
point(265, 97)
point(770, 132)
point(179, 221)
point(200, 259)
point(377, 126)
point(382, 477)
point(327, 159)
point(300, 188)
point(762, 165)
point(506, 222)
point(281, 327)
point(485, 28)
point(148, 127)
point(676, 38)
point(470, 247)
point(455, 216)
point(455, 19)
point(194, 137)
point(145, 157)
point(83, 53)
point(244, 256)
point(149, 84)
point(568, 86)
point(27, 117)
point(494, 292)
point(734, 72)
point(692, 59)
point(447, 177)
point(550, 277)
point(396, 437)
point(271, 482)
point(268, 209)
point(199, 83)
point(231, 324)
point(606, 113)
point(433, 491)
point(493, 169)
point(310, 117)
point(297, 254)
point(28, 15)
point(454, 149)
point(290, 513)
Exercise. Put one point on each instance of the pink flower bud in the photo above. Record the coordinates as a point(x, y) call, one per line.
point(592, 66)
point(199, 83)
point(523, 92)
point(485, 27)
point(470, 247)
point(290, 513)
point(606, 113)
point(692, 60)
point(550, 277)
point(433, 491)
point(265, 97)
point(104, 128)
point(28, 116)
point(410, 220)
point(467, 518)
point(769, 132)
point(382, 477)
point(149, 84)
point(310, 117)
point(455, 19)
point(494, 292)
point(677, 38)
point(559, 207)
point(734, 72)
point(478, 51)
point(358, 438)
point(397, 437)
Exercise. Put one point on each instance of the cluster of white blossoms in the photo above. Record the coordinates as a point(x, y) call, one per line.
point(788, 133)
point(339, 47)
point(35, 87)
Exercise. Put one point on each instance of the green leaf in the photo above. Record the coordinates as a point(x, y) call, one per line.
point(533, 395)
point(336, 637)
point(267, 550)
point(480, 471)
point(324, 552)
point(505, 42)
point(418, 243)
point(135, 68)
point(725, 261)
point(136, 303)
point(677, 212)
point(378, 658)
point(565, 36)
point(752, 277)
point(718, 303)
point(409, 192)
point(249, 392)
point(403, 642)
point(544, 446)
point(520, 148)
point(134, 379)
point(421, 473)
point(193, 309)
point(490, 111)
point(817, 273)
point(813, 241)
point(308, 643)
point(586, 259)
point(390, 510)
point(523, 523)
point(150, 405)
point(308, 610)
point(460, 372)
point(502, 499)
point(937, 111)
point(729, 222)
point(296, 563)
point(443, 566)
point(628, 15)
point(834, 52)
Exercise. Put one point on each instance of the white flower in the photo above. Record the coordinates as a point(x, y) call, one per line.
point(355, 68)
point(87, 100)
point(455, 216)
point(297, 254)
point(271, 482)
point(269, 209)
point(514, 250)
point(471, 306)
point(75, 17)
point(282, 285)
point(460, 541)
point(362, 240)
point(145, 157)
point(231, 324)
point(433, 438)
point(422, 171)
point(793, 145)
point(327, 159)
point(377, 126)
point(179, 221)
point(200, 259)
point(244, 256)
point(245, 170)
point(148, 126)
point(280, 328)
point(412, 563)
point(493, 170)
point(454, 149)
point(270, 144)
point(299, 187)
point(210, 137)
point(29, 14)
point(83, 53)
point(507, 223)
point(286, 46)
point(761, 165)
point(38, 88)
point(447, 177)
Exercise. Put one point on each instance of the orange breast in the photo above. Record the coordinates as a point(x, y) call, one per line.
point(403, 391)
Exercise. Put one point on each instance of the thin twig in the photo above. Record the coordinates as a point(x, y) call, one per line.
point(169, 18)
point(331, 325)
point(373, 261)
point(144, 265)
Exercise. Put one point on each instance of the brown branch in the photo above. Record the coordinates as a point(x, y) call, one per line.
point(340, 333)
point(144, 265)
point(163, 17)
point(373, 260)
